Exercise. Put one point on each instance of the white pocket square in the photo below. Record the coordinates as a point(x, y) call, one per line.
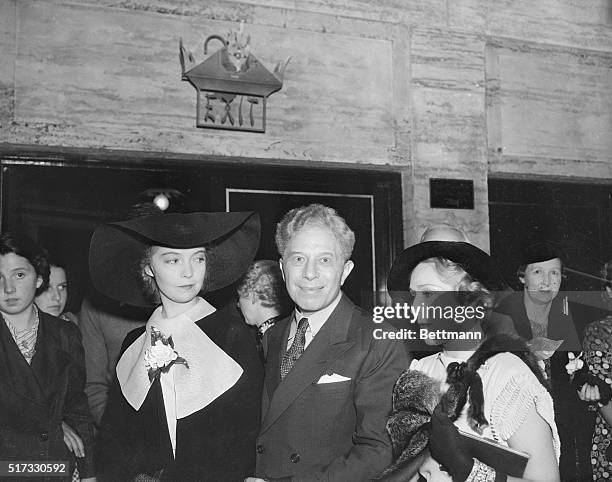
point(335, 378)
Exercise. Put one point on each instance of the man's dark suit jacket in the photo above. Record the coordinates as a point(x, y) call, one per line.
point(213, 444)
point(329, 431)
point(35, 399)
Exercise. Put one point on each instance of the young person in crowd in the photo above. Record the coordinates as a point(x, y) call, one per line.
point(43, 408)
point(53, 300)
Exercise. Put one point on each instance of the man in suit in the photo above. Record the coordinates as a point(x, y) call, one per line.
point(329, 382)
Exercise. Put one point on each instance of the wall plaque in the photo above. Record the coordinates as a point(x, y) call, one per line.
point(451, 193)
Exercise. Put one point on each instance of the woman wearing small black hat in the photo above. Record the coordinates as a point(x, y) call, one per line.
point(495, 388)
point(541, 313)
point(185, 401)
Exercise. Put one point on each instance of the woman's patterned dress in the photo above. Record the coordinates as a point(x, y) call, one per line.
point(598, 355)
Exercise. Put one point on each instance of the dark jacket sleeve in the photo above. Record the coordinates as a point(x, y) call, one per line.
point(117, 456)
point(76, 409)
point(223, 446)
point(96, 357)
point(243, 412)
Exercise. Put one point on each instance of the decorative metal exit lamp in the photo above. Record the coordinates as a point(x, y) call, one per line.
point(232, 86)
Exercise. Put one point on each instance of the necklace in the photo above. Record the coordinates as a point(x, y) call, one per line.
point(266, 325)
point(446, 360)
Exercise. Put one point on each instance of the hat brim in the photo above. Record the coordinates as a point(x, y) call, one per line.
point(473, 260)
point(231, 241)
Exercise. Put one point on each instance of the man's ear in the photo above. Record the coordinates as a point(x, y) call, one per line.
point(148, 271)
point(522, 279)
point(39, 281)
point(348, 267)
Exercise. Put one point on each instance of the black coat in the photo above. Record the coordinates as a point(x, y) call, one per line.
point(571, 416)
point(36, 398)
point(561, 325)
point(216, 443)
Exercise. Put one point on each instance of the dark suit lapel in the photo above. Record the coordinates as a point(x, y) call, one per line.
point(327, 346)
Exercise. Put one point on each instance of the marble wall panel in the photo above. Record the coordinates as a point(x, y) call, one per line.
point(550, 108)
point(252, 13)
point(449, 127)
point(468, 15)
point(7, 62)
point(561, 22)
point(87, 72)
point(449, 142)
point(394, 11)
point(447, 60)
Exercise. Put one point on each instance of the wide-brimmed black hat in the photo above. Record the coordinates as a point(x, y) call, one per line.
point(473, 260)
point(231, 241)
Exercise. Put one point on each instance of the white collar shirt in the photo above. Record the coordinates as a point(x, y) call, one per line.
point(315, 322)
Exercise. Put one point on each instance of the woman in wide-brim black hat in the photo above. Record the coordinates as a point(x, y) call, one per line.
point(185, 401)
point(495, 393)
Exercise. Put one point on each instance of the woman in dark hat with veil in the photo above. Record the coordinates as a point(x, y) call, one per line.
point(185, 401)
point(493, 385)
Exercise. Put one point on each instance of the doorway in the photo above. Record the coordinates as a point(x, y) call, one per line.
point(60, 198)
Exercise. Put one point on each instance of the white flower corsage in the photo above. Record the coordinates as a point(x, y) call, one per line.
point(162, 355)
point(575, 363)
